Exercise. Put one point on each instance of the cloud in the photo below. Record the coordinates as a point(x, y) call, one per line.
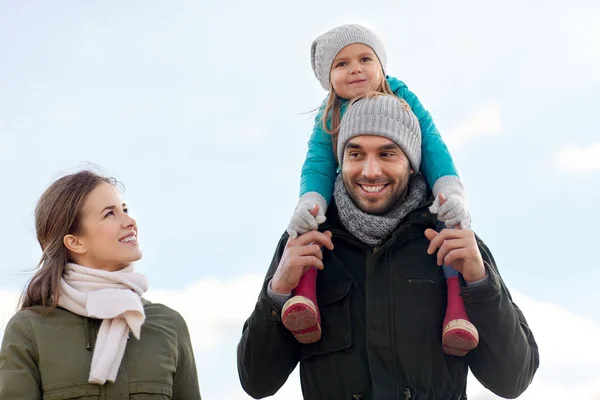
point(8, 306)
point(541, 389)
point(579, 159)
point(569, 358)
point(215, 310)
point(290, 391)
point(485, 121)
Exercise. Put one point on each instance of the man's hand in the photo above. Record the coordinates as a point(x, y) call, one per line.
point(457, 248)
point(300, 254)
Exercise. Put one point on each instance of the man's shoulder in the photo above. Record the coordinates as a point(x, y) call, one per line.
point(332, 218)
point(418, 220)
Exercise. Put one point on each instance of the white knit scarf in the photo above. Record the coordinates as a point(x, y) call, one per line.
point(114, 297)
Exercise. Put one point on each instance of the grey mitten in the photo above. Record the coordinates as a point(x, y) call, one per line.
point(454, 210)
point(302, 220)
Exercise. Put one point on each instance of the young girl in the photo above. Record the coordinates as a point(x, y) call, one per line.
point(84, 330)
point(349, 61)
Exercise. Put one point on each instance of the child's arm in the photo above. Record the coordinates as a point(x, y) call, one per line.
point(316, 184)
point(437, 166)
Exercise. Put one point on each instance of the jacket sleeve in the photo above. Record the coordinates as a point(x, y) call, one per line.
point(185, 381)
point(320, 167)
point(436, 160)
point(19, 374)
point(267, 352)
point(506, 358)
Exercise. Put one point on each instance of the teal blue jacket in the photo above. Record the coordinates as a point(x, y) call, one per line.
point(320, 167)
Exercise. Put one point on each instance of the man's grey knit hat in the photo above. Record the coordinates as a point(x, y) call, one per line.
point(328, 45)
point(382, 115)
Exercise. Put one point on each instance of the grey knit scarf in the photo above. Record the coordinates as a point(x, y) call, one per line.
point(375, 229)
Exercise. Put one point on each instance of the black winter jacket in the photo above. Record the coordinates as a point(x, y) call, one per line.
point(382, 311)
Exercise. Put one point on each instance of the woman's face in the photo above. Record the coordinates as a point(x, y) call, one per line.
point(355, 71)
point(107, 238)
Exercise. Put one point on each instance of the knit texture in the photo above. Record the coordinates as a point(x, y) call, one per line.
point(386, 116)
point(113, 297)
point(454, 211)
point(375, 229)
point(302, 220)
point(325, 48)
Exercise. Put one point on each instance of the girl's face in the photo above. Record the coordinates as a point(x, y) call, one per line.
point(108, 236)
point(355, 71)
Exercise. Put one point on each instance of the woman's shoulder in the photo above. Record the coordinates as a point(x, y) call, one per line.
point(161, 311)
point(21, 318)
point(38, 318)
point(41, 313)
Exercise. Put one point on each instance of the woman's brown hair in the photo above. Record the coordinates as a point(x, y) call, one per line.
point(57, 214)
point(332, 114)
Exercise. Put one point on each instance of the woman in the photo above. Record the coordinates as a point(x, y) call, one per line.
point(83, 329)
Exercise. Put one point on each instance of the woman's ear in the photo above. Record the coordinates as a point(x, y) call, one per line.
point(74, 244)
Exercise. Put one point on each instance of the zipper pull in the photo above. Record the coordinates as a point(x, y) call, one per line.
point(375, 250)
point(407, 395)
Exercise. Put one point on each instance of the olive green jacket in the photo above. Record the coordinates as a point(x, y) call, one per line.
point(48, 356)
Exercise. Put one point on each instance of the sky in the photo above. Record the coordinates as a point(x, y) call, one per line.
point(203, 111)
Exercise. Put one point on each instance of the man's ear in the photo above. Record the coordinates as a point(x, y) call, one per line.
point(74, 244)
point(412, 171)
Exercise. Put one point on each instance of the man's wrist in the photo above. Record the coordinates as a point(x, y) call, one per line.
point(278, 299)
point(477, 276)
point(277, 288)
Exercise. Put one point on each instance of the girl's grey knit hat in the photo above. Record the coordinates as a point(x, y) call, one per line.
point(328, 45)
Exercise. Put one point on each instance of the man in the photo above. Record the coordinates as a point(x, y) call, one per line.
point(381, 290)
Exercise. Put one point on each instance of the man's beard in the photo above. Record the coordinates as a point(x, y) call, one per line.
point(398, 195)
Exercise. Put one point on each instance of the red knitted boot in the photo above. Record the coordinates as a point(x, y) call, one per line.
point(459, 334)
point(300, 314)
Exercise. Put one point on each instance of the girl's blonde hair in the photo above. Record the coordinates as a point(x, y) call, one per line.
point(373, 93)
point(332, 114)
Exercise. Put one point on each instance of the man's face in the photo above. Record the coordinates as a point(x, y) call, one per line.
point(375, 172)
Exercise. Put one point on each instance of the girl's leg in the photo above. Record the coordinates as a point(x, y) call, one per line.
point(459, 335)
point(300, 314)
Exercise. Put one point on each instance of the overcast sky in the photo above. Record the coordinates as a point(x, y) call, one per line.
point(200, 110)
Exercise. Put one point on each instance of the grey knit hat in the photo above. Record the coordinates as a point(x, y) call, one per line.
point(382, 115)
point(328, 45)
